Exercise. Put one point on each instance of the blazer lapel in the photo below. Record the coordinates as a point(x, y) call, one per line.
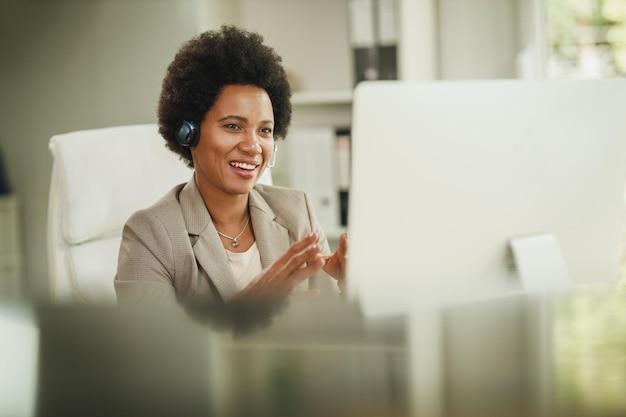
point(208, 248)
point(272, 238)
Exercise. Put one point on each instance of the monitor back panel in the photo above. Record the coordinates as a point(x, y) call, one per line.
point(445, 173)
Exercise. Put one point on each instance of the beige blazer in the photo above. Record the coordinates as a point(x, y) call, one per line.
point(171, 250)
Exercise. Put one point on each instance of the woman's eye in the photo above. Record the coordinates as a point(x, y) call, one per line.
point(266, 130)
point(233, 126)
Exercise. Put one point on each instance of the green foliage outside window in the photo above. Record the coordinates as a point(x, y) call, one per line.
point(589, 353)
point(587, 38)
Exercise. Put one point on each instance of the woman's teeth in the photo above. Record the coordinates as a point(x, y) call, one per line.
point(243, 165)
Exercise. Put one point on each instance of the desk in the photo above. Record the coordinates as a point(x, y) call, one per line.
point(524, 355)
point(316, 359)
point(557, 355)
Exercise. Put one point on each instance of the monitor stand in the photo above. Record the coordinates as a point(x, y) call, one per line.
point(540, 263)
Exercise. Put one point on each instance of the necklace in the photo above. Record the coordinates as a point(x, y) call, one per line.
point(234, 239)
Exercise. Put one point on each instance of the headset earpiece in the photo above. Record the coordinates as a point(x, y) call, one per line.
point(188, 134)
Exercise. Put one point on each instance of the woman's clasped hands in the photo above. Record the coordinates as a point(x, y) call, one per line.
point(301, 261)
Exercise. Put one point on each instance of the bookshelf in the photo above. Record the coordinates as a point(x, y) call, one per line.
point(308, 158)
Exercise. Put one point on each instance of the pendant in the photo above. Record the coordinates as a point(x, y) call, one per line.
point(235, 243)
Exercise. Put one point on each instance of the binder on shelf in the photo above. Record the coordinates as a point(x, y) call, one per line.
point(363, 39)
point(311, 152)
point(4, 181)
point(373, 38)
point(387, 40)
point(342, 144)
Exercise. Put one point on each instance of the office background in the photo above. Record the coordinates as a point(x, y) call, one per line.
point(79, 64)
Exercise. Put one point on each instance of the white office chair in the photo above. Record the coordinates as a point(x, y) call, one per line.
point(99, 178)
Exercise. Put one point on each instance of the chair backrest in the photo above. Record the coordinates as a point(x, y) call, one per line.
point(99, 178)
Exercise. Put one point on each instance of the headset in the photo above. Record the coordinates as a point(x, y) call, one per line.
point(272, 161)
point(188, 135)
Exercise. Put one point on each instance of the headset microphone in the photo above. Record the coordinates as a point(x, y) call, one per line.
point(273, 158)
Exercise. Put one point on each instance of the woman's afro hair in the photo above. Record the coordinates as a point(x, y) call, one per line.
point(207, 63)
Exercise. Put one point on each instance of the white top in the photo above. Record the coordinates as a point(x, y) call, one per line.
point(246, 265)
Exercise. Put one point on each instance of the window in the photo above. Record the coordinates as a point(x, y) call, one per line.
point(587, 38)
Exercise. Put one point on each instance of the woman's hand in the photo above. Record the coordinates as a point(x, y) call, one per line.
point(335, 265)
point(276, 282)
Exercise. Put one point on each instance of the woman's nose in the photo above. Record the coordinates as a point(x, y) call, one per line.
point(250, 143)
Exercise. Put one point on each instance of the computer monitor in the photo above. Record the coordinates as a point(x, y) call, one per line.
point(446, 175)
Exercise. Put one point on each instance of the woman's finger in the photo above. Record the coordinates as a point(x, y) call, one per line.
point(293, 250)
point(300, 261)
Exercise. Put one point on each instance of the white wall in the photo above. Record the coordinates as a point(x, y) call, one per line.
point(478, 39)
point(313, 40)
point(67, 65)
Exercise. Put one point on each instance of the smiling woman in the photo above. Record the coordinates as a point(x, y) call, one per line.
point(222, 238)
